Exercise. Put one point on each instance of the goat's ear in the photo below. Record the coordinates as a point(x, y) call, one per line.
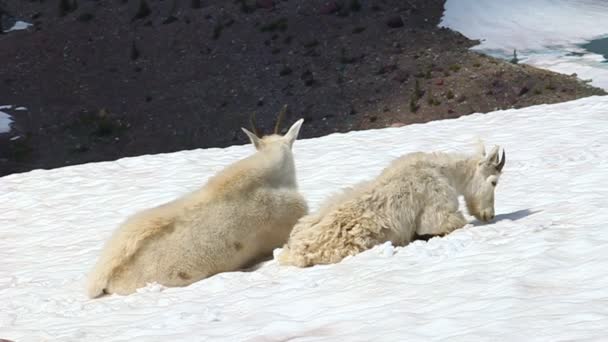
point(292, 134)
point(492, 157)
point(257, 142)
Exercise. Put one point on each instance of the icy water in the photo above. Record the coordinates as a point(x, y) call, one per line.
point(599, 46)
point(567, 36)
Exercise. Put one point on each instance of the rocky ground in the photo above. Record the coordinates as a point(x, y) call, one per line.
point(104, 79)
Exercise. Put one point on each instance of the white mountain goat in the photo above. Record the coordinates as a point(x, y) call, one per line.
point(237, 218)
point(416, 194)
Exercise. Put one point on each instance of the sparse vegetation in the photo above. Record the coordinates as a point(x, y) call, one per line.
point(67, 6)
point(355, 5)
point(285, 70)
point(134, 52)
point(417, 91)
point(416, 95)
point(276, 25)
point(345, 59)
point(247, 6)
point(455, 67)
point(195, 4)
point(413, 105)
point(143, 10)
point(217, 30)
point(450, 95)
point(311, 43)
point(428, 75)
point(20, 149)
point(433, 101)
point(85, 17)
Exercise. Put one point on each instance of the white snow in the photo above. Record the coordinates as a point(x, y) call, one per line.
point(542, 31)
point(19, 25)
point(538, 273)
point(5, 122)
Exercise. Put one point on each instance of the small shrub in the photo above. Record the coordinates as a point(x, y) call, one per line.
point(277, 25)
point(450, 95)
point(455, 67)
point(413, 105)
point(417, 91)
point(134, 51)
point(432, 101)
point(67, 6)
point(345, 59)
point(286, 70)
point(428, 75)
point(20, 149)
point(514, 60)
point(311, 44)
point(355, 5)
point(217, 30)
point(143, 10)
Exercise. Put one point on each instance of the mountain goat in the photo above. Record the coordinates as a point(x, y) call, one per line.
point(238, 217)
point(416, 194)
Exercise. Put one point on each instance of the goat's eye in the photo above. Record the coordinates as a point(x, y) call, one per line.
point(493, 183)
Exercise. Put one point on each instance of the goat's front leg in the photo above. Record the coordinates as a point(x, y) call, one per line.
point(440, 219)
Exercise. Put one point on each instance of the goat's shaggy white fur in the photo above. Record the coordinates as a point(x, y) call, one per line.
point(237, 218)
point(416, 194)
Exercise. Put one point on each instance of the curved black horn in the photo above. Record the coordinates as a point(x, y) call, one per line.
point(253, 126)
point(279, 119)
point(502, 162)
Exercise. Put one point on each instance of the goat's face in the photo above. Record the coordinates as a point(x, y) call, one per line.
point(263, 142)
point(480, 195)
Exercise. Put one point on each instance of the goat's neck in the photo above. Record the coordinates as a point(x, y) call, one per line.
point(278, 167)
point(460, 172)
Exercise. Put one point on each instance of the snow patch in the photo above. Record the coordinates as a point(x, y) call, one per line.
point(5, 122)
point(19, 25)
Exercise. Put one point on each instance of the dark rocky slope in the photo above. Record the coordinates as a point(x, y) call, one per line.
point(112, 78)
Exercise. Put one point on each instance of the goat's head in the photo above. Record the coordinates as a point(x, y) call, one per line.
point(479, 196)
point(264, 141)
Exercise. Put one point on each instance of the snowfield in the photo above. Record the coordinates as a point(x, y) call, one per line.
point(538, 273)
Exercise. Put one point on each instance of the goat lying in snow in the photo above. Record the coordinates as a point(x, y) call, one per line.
point(416, 194)
point(238, 217)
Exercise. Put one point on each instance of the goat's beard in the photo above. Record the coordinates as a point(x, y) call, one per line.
point(473, 208)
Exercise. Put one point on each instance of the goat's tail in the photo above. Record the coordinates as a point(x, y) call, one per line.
point(121, 248)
